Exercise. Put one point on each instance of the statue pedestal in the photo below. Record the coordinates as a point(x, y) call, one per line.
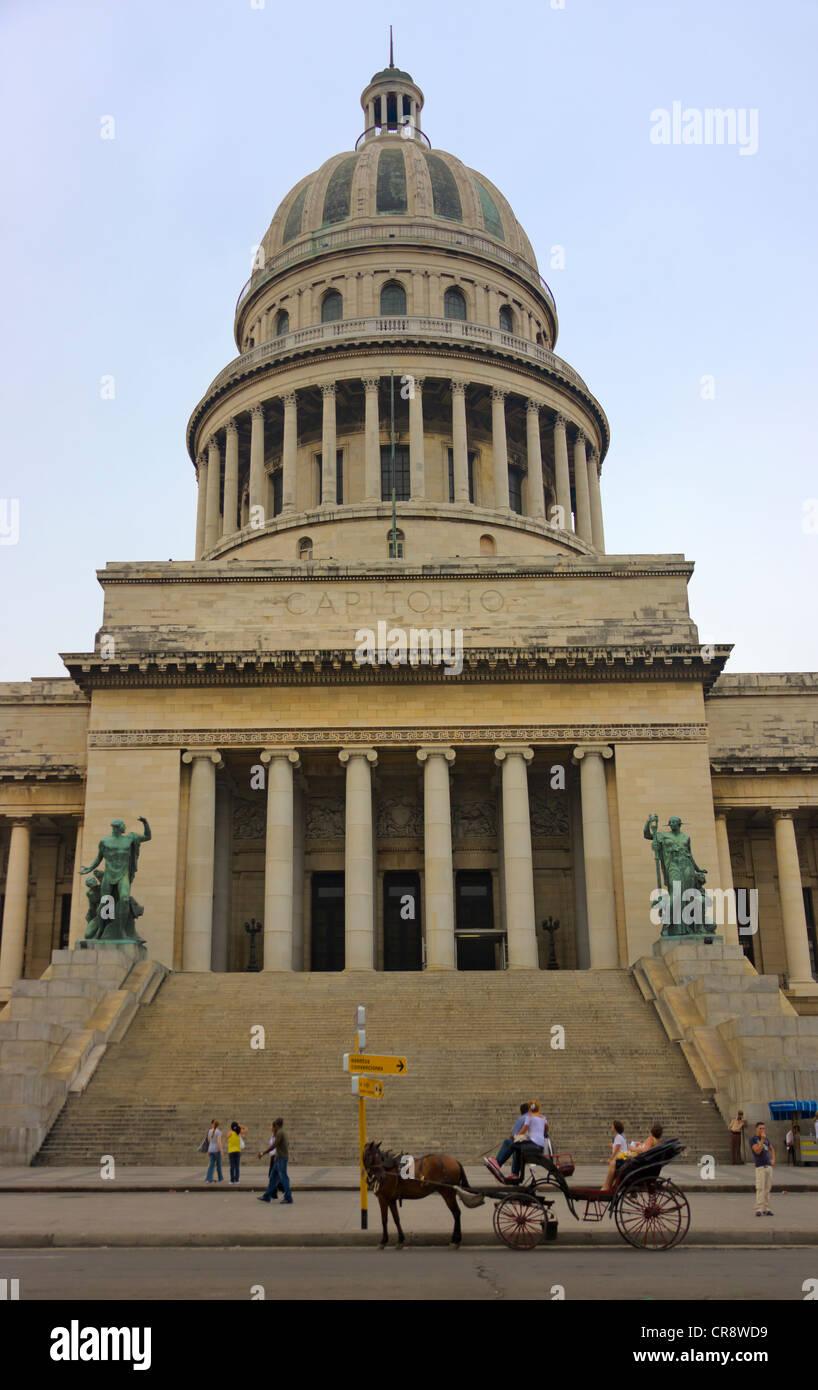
point(670, 943)
point(131, 950)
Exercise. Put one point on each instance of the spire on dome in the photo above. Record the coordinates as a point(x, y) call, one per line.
point(392, 102)
point(391, 49)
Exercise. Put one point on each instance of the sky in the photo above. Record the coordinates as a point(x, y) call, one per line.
point(684, 272)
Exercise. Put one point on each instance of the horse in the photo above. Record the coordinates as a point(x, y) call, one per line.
point(433, 1173)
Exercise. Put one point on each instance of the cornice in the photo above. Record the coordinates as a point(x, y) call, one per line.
point(751, 764)
point(339, 667)
point(339, 736)
point(64, 772)
point(258, 572)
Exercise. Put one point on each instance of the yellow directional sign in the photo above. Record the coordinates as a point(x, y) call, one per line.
point(367, 1086)
point(371, 1065)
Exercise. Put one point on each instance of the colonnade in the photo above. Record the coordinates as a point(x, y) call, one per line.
point(217, 518)
point(359, 763)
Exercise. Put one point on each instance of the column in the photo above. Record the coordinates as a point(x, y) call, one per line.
point(359, 860)
point(417, 465)
point(729, 930)
point(219, 948)
point(437, 858)
point(460, 447)
point(258, 481)
point(328, 447)
point(214, 478)
point(581, 489)
point(597, 529)
point(499, 448)
point(199, 867)
point(279, 858)
point(518, 864)
point(596, 842)
point(201, 504)
point(289, 452)
point(372, 441)
point(15, 908)
point(793, 917)
point(563, 476)
point(79, 902)
point(231, 480)
point(536, 496)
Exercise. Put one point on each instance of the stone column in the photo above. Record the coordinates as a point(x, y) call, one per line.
point(581, 489)
point(201, 504)
point(596, 841)
point(289, 452)
point(328, 447)
point(231, 480)
point(417, 466)
point(79, 902)
point(499, 448)
point(372, 441)
point(199, 869)
point(729, 930)
point(460, 448)
point(790, 892)
point(518, 864)
point(563, 476)
point(279, 858)
point(258, 480)
point(597, 529)
point(359, 860)
point(214, 477)
point(536, 496)
point(219, 949)
point(15, 908)
point(437, 858)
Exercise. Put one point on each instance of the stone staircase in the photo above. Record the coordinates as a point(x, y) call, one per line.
point(476, 1046)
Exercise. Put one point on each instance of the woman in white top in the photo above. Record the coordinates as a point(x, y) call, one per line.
point(214, 1150)
point(619, 1147)
point(530, 1142)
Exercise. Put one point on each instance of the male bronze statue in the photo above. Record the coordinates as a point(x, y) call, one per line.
point(112, 910)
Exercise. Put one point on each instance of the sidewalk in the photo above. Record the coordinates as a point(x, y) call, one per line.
point(326, 1212)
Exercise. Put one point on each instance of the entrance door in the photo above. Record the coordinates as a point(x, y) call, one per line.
point(401, 922)
point(478, 944)
point(327, 936)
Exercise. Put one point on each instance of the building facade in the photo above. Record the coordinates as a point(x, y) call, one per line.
point(402, 708)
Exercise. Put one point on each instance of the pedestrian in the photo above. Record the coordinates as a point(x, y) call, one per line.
point(271, 1151)
point(736, 1128)
point(279, 1173)
point(235, 1144)
point(506, 1149)
point(214, 1149)
point(764, 1156)
point(789, 1140)
point(816, 1130)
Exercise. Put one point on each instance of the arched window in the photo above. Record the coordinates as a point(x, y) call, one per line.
point(454, 304)
point(393, 298)
point(488, 545)
point(506, 318)
point(305, 548)
point(394, 547)
point(332, 307)
point(282, 323)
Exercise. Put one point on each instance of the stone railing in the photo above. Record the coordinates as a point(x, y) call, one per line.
point(454, 330)
point(317, 243)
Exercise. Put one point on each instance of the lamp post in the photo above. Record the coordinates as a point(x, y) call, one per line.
point(253, 928)
point(551, 925)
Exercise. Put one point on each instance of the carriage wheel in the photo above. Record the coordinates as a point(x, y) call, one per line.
point(653, 1215)
point(518, 1221)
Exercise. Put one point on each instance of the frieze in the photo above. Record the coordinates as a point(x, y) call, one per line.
point(474, 820)
point(397, 818)
point(549, 813)
point(250, 819)
point(325, 818)
point(337, 736)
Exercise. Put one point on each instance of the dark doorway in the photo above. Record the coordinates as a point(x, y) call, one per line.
point(401, 922)
point(476, 938)
point(327, 935)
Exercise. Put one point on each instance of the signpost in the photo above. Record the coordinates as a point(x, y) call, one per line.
point(364, 1067)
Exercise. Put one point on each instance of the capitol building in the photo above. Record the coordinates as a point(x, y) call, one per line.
point(397, 455)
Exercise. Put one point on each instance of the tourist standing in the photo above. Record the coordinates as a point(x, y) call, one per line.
point(789, 1140)
point(736, 1128)
point(214, 1149)
point(235, 1144)
point(764, 1156)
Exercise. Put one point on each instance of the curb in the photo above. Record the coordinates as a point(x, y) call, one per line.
point(161, 1240)
point(117, 1187)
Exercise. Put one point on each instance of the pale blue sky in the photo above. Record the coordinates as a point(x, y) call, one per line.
point(126, 257)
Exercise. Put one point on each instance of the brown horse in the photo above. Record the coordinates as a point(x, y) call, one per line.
point(433, 1173)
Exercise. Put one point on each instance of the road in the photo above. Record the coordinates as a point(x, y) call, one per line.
point(484, 1274)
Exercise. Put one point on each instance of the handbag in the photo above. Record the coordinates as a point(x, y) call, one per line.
point(241, 1142)
point(203, 1147)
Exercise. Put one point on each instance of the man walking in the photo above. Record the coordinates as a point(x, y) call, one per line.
point(764, 1156)
point(278, 1174)
point(735, 1127)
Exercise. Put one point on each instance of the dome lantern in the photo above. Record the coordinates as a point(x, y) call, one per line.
point(392, 103)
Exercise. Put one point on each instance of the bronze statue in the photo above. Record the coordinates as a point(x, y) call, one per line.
point(111, 909)
point(685, 907)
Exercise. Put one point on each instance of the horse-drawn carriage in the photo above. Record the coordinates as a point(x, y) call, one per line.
point(651, 1212)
